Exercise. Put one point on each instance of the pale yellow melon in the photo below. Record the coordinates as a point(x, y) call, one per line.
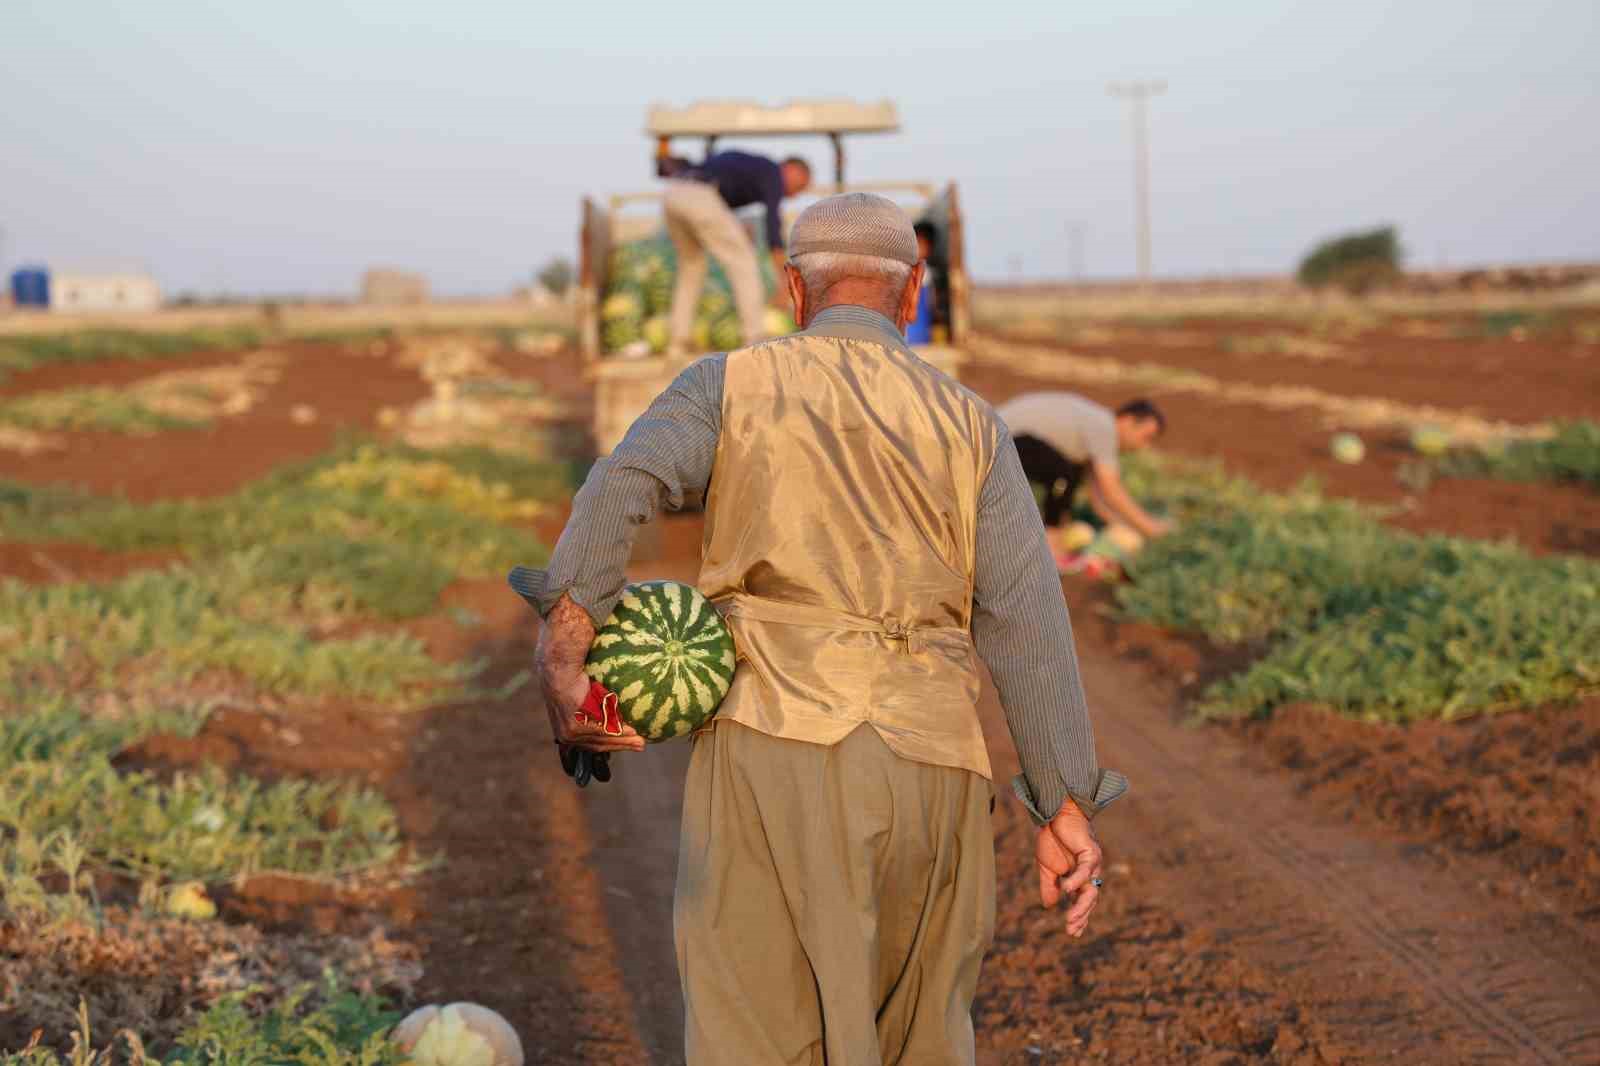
point(461, 1034)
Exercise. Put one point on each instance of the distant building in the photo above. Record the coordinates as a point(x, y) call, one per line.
point(30, 287)
point(87, 290)
point(393, 287)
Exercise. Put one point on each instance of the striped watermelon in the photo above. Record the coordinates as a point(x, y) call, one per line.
point(668, 656)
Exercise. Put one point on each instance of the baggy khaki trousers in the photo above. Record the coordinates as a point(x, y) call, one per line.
point(699, 221)
point(833, 903)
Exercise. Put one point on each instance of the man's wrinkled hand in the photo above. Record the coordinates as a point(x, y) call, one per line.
point(563, 700)
point(1069, 860)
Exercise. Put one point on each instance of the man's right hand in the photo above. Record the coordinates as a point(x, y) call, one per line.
point(1069, 860)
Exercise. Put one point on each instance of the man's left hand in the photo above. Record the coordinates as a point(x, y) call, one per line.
point(1069, 860)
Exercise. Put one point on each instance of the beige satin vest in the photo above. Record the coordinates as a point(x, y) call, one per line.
point(839, 541)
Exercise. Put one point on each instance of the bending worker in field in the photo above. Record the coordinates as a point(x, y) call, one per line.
point(1062, 438)
point(867, 527)
point(699, 204)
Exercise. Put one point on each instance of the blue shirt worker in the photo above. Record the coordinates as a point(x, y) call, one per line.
point(699, 205)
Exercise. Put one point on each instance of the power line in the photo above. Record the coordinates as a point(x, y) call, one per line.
point(1136, 93)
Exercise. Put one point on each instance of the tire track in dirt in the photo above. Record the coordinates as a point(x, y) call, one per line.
point(1475, 980)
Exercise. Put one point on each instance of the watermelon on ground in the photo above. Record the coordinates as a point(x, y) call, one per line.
point(667, 654)
point(700, 335)
point(1430, 441)
point(1077, 536)
point(1347, 448)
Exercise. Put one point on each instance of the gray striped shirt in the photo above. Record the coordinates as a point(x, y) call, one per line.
point(1020, 626)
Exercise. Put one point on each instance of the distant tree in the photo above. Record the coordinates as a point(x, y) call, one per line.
point(1355, 262)
point(556, 276)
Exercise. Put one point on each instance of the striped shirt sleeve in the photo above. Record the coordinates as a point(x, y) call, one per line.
point(1022, 631)
point(664, 461)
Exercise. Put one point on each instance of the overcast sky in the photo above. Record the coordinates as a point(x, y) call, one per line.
point(285, 146)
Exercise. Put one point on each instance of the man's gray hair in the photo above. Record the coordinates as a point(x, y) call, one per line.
point(821, 271)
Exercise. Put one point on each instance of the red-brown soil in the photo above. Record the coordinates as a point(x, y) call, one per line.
point(51, 563)
point(345, 385)
point(346, 391)
point(1529, 380)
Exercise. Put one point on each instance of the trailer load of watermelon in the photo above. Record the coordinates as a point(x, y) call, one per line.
point(638, 301)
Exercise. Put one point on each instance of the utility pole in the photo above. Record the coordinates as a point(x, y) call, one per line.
point(1136, 93)
point(1075, 231)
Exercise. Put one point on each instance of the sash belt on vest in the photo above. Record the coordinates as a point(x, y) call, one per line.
point(911, 635)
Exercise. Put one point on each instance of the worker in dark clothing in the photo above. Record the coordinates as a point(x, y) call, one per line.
point(699, 205)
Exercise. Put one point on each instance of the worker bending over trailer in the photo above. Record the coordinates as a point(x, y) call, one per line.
point(699, 205)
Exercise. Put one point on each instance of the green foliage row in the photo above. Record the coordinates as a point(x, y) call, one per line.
point(329, 1026)
point(272, 570)
point(1352, 614)
point(156, 630)
point(27, 351)
point(1355, 262)
point(65, 808)
point(391, 553)
point(89, 408)
point(1572, 455)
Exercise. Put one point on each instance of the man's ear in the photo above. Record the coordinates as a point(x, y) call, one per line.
point(797, 294)
point(909, 298)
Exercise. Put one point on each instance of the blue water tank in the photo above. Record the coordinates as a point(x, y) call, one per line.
point(30, 287)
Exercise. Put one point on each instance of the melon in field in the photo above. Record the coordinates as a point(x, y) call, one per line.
point(1347, 448)
point(667, 654)
point(1077, 536)
point(462, 1034)
point(1127, 539)
point(1430, 441)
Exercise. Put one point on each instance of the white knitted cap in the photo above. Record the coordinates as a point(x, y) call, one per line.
point(855, 223)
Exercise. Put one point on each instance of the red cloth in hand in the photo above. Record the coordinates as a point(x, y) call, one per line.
point(600, 707)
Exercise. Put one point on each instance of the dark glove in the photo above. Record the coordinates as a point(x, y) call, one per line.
point(582, 765)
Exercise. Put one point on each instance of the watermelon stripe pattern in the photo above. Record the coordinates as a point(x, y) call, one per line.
point(667, 654)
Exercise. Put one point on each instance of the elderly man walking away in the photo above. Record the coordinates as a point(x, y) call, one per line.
point(868, 526)
point(699, 205)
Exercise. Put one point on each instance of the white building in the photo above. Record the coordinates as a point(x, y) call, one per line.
point(88, 290)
